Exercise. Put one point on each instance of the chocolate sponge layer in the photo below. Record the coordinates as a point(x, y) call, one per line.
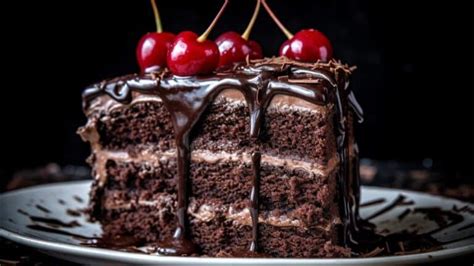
point(139, 199)
point(143, 123)
point(222, 236)
point(227, 181)
point(291, 133)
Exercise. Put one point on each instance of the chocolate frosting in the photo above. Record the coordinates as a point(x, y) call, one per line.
point(186, 98)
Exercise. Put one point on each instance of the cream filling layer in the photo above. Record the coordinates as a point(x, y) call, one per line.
point(209, 212)
point(154, 158)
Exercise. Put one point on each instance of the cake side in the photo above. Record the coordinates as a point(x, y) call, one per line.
point(135, 164)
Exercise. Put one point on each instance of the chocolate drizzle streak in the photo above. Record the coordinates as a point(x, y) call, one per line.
point(471, 225)
point(399, 201)
point(51, 222)
point(41, 208)
point(47, 229)
point(75, 213)
point(78, 199)
point(254, 195)
point(372, 203)
point(186, 99)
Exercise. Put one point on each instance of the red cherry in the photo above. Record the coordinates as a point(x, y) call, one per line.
point(234, 48)
point(152, 50)
point(191, 55)
point(257, 52)
point(308, 46)
point(153, 46)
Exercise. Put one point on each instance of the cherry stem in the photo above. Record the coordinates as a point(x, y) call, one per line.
point(288, 34)
point(247, 31)
point(203, 36)
point(159, 27)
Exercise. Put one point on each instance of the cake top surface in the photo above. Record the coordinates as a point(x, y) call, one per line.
point(314, 82)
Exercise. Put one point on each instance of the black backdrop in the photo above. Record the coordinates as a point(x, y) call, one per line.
point(414, 76)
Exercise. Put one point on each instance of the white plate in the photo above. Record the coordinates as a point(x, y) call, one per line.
point(14, 226)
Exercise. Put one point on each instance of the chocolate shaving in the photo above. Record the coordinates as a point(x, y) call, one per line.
point(333, 65)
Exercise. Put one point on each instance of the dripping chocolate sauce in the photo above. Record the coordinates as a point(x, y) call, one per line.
point(51, 222)
point(56, 226)
point(121, 242)
point(254, 195)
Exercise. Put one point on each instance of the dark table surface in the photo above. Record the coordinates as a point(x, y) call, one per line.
point(413, 176)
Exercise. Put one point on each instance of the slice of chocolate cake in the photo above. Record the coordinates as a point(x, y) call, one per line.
point(258, 159)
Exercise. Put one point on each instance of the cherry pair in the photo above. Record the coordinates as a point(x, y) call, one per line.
point(187, 54)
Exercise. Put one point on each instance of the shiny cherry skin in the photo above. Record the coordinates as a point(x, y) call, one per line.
point(153, 49)
point(233, 48)
point(308, 45)
point(188, 56)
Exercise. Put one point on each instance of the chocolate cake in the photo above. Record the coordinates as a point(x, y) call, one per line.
point(256, 159)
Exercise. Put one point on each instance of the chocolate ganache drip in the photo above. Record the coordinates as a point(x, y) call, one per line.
point(186, 99)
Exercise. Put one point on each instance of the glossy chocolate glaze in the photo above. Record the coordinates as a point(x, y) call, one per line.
point(186, 98)
point(254, 195)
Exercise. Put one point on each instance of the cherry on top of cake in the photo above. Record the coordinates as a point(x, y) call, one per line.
point(153, 47)
point(188, 54)
point(307, 45)
point(234, 48)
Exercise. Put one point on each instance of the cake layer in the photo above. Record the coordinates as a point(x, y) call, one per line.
point(205, 210)
point(284, 183)
point(143, 123)
point(297, 132)
point(218, 229)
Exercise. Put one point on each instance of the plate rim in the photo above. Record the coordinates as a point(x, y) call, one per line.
point(101, 253)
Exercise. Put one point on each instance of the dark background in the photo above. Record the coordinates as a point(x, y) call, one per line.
point(414, 76)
